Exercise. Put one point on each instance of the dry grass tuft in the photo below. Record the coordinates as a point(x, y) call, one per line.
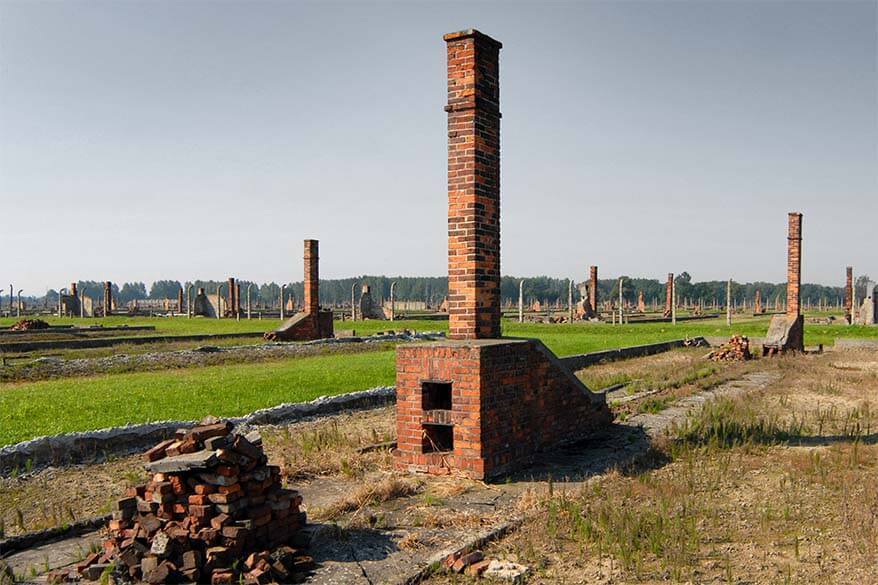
point(412, 541)
point(386, 489)
point(331, 446)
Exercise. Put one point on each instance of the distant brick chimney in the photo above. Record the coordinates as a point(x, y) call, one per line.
point(849, 294)
point(593, 288)
point(233, 301)
point(312, 277)
point(794, 264)
point(473, 185)
point(108, 297)
point(669, 295)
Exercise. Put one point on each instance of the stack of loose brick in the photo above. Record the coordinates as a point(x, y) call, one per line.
point(736, 350)
point(211, 513)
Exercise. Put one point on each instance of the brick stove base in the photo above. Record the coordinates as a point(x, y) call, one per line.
point(485, 407)
point(304, 327)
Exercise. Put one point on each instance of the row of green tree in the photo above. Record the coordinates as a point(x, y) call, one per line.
point(433, 289)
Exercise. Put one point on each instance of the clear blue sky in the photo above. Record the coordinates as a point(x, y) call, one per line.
point(147, 140)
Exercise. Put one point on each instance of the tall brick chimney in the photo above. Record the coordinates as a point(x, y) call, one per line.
point(473, 185)
point(794, 264)
point(849, 295)
point(669, 295)
point(474, 403)
point(593, 288)
point(312, 277)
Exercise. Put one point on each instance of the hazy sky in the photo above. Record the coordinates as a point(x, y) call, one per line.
point(147, 140)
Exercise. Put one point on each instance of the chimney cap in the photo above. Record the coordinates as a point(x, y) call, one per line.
point(471, 33)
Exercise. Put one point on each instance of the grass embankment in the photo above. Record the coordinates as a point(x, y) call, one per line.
point(563, 339)
point(658, 381)
point(77, 404)
point(204, 326)
point(575, 338)
point(163, 325)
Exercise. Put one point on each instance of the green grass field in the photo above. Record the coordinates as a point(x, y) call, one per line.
point(77, 404)
point(33, 409)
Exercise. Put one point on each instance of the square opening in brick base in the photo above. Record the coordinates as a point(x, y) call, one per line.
point(438, 438)
point(436, 395)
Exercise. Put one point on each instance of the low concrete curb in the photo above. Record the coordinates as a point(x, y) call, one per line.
point(856, 344)
point(30, 539)
point(577, 362)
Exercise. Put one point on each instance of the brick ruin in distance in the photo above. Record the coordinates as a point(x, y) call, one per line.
point(477, 404)
point(313, 322)
point(669, 296)
point(787, 332)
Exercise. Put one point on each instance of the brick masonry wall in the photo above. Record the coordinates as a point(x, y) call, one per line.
point(473, 185)
point(509, 402)
point(794, 263)
point(593, 288)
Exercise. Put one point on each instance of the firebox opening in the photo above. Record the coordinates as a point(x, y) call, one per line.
point(438, 438)
point(436, 395)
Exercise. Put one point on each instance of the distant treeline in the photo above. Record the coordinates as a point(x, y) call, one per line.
point(433, 289)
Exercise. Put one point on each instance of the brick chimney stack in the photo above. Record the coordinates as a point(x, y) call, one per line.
point(233, 302)
point(312, 277)
point(849, 294)
point(473, 185)
point(669, 294)
point(108, 297)
point(794, 264)
point(593, 288)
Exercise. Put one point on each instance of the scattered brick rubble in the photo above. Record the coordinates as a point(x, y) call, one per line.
point(736, 350)
point(213, 512)
point(29, 325)
point(474, 564)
